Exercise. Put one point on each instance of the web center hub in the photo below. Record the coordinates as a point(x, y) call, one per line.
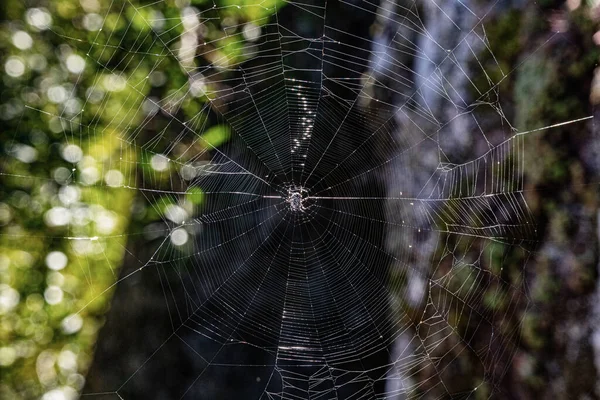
point(297, 199)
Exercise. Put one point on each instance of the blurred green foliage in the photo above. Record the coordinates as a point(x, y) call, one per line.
point(81, 89)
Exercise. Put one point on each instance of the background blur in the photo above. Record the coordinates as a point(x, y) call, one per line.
point(64, 175)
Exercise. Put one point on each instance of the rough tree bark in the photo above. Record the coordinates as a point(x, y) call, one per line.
point(548, 53)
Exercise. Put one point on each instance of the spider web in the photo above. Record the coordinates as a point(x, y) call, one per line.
point(341, 232)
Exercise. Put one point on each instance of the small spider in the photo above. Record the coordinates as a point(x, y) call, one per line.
point(295, 201)
point(297, 197)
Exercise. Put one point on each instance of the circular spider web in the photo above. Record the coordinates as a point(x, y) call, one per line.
point(335, 192)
